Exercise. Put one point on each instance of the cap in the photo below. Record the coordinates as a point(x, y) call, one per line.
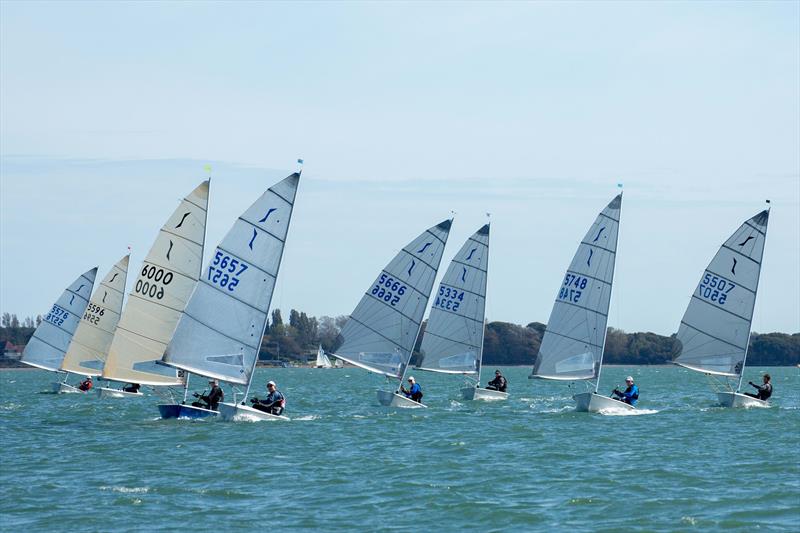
point(271, 383)
point(497, 371)
point(629, 378)
point(411, 378)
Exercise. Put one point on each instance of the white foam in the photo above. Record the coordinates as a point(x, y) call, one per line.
point(127, 490)
point(626, 412)
point(307, 417)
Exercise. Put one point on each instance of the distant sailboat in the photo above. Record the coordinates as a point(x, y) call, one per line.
point(573, 343)
point(89, 347)
point(158, 297)
point(219, 335)
point(322, 359)
point(50, 340)
point(453, 339)
point(382, 330)
point(714, 334)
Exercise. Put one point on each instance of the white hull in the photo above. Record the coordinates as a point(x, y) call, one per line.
point(66, 388)
point(476, 393)
point(592, 402)
point(737, 399)
point(106, 392)
point(237, 413)
point(392, 399)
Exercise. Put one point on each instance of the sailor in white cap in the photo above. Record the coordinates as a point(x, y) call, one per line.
point(630, 394)
point(274, 403)
point(414, 392)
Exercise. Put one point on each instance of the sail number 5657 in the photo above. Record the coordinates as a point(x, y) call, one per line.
point(225, 271)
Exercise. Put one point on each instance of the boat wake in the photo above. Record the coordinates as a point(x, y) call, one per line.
point(625, 412)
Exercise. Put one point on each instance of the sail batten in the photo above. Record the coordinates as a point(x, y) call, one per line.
point(219, 335)
point(51, 339)
point(714, 332)
point(453, 338)
point(159, 295)
point(382, 330)
point(573, 342)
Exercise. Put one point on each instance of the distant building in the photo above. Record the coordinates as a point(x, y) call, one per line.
point(12, 351)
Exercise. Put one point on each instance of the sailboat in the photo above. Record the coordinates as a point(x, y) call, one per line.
point(219, 335)
point(714, 334)
point(89, 347)
point(381, 332)
point(50, 340)
point(158, 297)
point(453, 339)
point(322, 359)
point(574, 341)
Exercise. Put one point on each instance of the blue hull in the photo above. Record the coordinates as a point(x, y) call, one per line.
point(184, 411)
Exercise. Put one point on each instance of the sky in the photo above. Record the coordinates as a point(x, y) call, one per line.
point(404, 114)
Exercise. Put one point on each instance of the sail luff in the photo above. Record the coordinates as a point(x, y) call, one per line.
point(611, 294)
point(50, 341)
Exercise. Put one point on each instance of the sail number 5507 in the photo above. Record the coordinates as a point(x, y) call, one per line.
point(715, 289)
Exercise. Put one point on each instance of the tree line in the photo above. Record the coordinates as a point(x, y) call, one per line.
point(504, 343)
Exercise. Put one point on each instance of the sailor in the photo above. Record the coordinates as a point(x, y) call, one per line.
point(498, 383)
point(133, 387)
point(629, 395)
point(212, 399)
point(415, 392)
point(86, 384)
point(274, 403)
point(764, 391)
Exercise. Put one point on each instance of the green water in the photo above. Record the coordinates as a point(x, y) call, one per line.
point(531, 463)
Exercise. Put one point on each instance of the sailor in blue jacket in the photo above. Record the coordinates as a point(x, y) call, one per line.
point(629, 395)
point(415, 392)
point(273, 404)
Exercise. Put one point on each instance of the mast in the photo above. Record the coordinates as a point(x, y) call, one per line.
point(485, 296)
point(277, 272)
point(749, 333)
point(610, 295)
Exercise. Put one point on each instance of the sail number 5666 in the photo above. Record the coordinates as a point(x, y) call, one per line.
point(389, 290)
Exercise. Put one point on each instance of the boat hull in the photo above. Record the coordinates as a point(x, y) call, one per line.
point(476, 393)
point(244, 413)
point(737, 399)
point(591, 402)
point(65, 388)
point(107, 392)
point(177, 410)
point(392, 399)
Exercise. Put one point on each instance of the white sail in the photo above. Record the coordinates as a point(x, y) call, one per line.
point(322, 359)
point(715, 330)
point(572, 347)
point(383, 328)
point(220, 333)
point(50, 341)
point(89, 347)
point(453, 338)
point(159, 295)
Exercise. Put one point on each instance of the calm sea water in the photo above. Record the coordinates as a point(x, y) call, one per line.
point(72, 462)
